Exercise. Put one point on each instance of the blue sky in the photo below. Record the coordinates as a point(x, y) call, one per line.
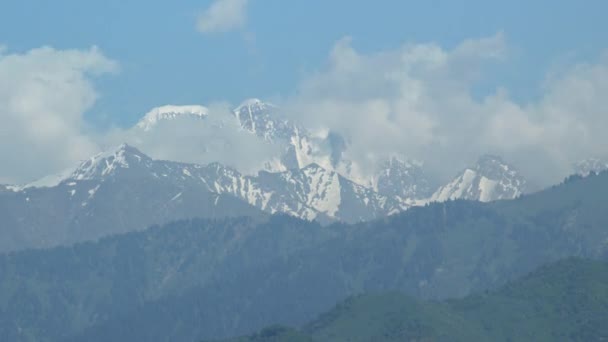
point(164, 59)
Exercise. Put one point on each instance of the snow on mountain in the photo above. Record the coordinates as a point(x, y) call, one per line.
point(301, 148)
point(395, 178)
point(251, 106)
point(96, 167)
point(170, 112)
point(323, 192)
point(109, 162)
point(309, 193)
point(405, 180)
point(491, 179)
point(262, 119)
point(591, 165)
point(265, 121)
point(396, 185)
point(115, 192)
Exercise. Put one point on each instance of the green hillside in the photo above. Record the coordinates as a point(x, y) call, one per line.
point(565, 301)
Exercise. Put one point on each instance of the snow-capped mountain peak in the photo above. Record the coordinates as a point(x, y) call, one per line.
point(261, 119)
point(96, 167)
point(252, 105)
point(489, 180)
point(106, 163)
point(170, 112)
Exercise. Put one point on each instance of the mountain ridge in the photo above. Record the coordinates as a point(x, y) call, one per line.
point(170, 190)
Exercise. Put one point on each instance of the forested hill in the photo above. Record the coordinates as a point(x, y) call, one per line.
point(206, 279)
point(564, 301)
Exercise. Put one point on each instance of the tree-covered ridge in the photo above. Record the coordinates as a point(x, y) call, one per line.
point(200, 279)
point(564, 301)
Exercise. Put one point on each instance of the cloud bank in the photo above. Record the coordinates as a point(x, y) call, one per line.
point(43, 95)
point(223, 16)
point(416, 101)
point(218, 137)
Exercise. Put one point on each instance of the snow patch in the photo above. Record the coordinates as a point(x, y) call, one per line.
point(176, 197)
point(457, 188)
point(170, 112)
point(325, 191)
point(93, 191)
point(486, 188)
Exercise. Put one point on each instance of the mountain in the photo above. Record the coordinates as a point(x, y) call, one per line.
point(402, 179)
point(113, 192)
point(309, 193)
point(591, 165)
point(563, 301)
point(405, 181)
point(394, 178)
point(299, 147)
point(490, 179)
point(265, 121)
point(216, 278)
point(125, 190)
point(261, 119)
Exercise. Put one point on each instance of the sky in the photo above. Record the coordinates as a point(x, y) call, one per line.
point(72, 70)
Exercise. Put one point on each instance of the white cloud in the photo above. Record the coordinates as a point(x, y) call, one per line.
point(43, 95)
point(417, 101)
point(216, 138)
point(223, 16)
point(414, 101)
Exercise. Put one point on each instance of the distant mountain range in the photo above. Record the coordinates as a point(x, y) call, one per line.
point(395, 177)
point(124, 190)
point(216, 278)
